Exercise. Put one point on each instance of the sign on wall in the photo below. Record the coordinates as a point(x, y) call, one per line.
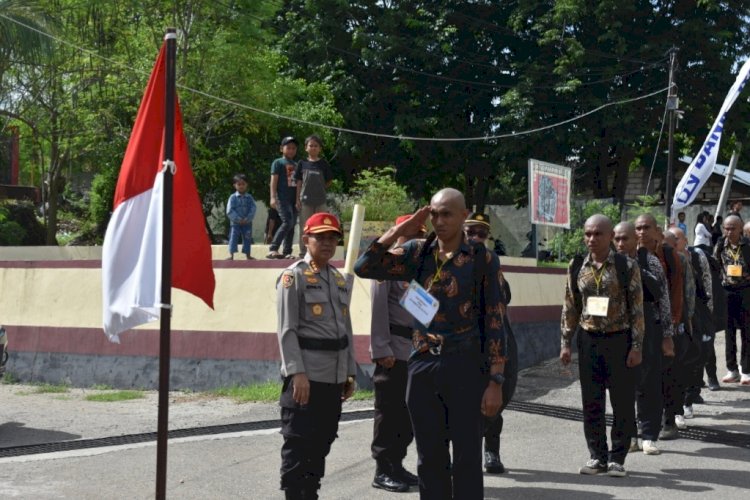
point(549, 194)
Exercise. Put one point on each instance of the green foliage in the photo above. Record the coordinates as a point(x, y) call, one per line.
point(647, 205)
point(570, 242)
point(383, 198)
point(264, 392)
point(11, 232)
point(115, 396)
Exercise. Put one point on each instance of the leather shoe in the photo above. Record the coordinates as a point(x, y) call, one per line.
point(405, 476)
point(385, 482)
point(492, 463)
point(713, 384)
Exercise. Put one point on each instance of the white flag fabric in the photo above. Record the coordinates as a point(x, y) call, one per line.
point(702, 166)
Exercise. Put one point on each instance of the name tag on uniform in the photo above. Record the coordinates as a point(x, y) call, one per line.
point(734, 270)
point(419, 303)
point(597, 306)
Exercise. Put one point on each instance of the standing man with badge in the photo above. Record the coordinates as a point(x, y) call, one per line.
point(604, 304)
point(317, 357)
point(477, 229)
point(453, 287)
point(390, 345)
point(733, 253)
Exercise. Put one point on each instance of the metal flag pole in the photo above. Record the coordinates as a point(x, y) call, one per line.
point(672, 104)
point(166, 270)
point(728, 178)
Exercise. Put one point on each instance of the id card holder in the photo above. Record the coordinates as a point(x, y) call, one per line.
point(734, 271)
point(419, 303)
point(597, 306)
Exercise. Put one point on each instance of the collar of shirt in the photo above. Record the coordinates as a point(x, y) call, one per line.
point(463, 247)
point(610, 258)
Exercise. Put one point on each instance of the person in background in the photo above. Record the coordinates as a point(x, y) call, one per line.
point(716, 230)
point(733, 253)
point(283, 199)
point(702, 232)
point(240, 211)
point(390, 346)
point(477, 229)
point(681, 222)
point(312, 177)
point(317, 357)
point(735, 208)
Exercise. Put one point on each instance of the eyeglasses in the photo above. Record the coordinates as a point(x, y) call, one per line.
point(479, 233)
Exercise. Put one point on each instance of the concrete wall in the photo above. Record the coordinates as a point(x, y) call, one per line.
point(51, 309)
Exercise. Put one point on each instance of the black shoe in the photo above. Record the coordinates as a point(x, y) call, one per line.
point(713, 384)
point(698, 400)
point(405, 476)
point(492, 463)
point(385, 482)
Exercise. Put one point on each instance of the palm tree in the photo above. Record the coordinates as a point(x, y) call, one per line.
point(21, 22)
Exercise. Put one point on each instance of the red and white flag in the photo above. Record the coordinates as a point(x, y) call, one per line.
point(132, 251)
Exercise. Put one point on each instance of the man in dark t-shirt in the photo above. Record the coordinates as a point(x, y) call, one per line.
point(312, 177)
point(283, 198)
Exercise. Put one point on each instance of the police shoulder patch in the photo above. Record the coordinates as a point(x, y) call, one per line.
point(287, 278)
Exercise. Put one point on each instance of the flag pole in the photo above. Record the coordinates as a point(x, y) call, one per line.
point(166, 269)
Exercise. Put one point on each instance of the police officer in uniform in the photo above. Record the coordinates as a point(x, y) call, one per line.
point(477, 229)
point(390, 345)
point(317, 357)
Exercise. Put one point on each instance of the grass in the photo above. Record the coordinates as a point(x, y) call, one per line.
point(45, 388)
point(268, 392)
point(102, 387)
point(561, 265)
point(9, 379)
point(114, 396)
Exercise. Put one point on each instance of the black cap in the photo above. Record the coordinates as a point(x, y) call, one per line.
point(287, 140)
point(477, 219)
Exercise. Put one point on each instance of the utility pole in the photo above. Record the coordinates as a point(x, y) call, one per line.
point(672, 105)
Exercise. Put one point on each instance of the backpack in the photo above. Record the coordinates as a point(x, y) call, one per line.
point(621, 269)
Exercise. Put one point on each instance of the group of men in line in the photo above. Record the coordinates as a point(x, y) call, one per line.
point(644, 309)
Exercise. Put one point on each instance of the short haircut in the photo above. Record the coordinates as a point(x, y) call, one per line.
point(239, 177)
point(314, 138)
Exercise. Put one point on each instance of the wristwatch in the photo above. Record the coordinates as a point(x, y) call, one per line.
point(498, 378)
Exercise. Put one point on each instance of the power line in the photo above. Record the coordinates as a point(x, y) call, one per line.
point(347, 130)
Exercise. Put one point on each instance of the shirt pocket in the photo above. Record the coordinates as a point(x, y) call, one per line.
point(317, 305)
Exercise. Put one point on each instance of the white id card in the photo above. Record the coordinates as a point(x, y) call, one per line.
point(734, 270)
point(597, 306)
point(419, 303)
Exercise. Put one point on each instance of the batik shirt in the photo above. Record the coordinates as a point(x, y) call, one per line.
point(705, 275)
point(451, 282)
point(732, 255)
point(689, 284)
point(664, 307)
point(604, 282)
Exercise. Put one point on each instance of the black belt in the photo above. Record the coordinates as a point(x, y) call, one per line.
point(323, 344)
point(600, 333)
point(401, 331)
point(457, 346)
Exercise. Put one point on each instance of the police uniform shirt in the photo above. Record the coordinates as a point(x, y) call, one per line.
point(387, 311)
point(618, 317)
point(313, 303)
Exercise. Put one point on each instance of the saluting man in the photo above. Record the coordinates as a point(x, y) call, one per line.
point(317, 357)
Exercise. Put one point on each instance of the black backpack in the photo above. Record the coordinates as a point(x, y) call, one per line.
point(621, 268)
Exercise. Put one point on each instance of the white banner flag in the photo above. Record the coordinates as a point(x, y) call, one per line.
point(702, 166)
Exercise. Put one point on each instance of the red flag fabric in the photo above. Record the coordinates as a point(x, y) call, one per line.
point(131, 255)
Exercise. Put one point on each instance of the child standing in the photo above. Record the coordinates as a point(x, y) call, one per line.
point(240, 211)
point(283, 199)
point(313, 176)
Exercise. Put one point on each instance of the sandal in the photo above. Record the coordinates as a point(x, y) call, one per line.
point(274, 255)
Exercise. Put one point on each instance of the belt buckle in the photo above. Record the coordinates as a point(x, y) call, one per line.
point(435, 350)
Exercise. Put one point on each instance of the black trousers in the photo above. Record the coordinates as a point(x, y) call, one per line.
point(444, 396)
point(675, 378)
point(694, 359)
point(392, 432)
point(493, 426)
point(708, 355)
point(601, 364)
point(737, 319)
point(308, 434)
point(648, 394)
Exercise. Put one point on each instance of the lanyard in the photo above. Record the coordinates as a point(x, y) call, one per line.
point(735, 255)
point(439, 265)
point(598, 278)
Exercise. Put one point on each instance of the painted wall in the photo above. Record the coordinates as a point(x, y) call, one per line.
point(52, 311)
